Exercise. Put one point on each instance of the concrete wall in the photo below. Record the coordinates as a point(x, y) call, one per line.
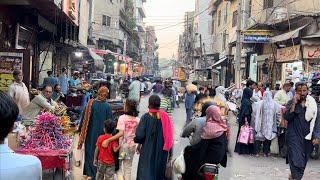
point(84, 21)
point(105, 7)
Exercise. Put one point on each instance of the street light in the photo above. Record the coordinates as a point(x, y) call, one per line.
point(78, 54)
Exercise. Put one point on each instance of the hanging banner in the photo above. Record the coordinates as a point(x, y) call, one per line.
point(9, 61)
point(288, 54)
point(181, 74)
point(311, 52)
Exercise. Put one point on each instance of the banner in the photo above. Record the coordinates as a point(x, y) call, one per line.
point(9, 61)
point(288, 54)
point(311, 52)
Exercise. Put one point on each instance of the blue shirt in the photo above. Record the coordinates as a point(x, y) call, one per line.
point(52, 81)
point(73, 82)
point(17, 166)
point(189, 101)
point(63, 82)
point(316, 130)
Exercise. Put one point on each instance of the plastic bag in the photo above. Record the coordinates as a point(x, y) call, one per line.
point(179, 164)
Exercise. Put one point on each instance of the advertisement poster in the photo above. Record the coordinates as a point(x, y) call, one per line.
point(8, 62)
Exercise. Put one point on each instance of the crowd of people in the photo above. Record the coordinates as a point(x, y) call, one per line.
point(288, 115)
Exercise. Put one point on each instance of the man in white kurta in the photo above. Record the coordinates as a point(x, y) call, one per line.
point(19, 92)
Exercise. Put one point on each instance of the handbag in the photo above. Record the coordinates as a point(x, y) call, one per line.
point(179, 164)
point(168, 173)
point(246, 134)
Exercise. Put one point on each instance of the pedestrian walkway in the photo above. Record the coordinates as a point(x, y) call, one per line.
point(239, 167)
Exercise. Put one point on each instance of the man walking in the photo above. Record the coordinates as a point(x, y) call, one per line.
point(63, 82)
point(18, 91)
point(50, 80)
point(301, 115)
point(134, 90)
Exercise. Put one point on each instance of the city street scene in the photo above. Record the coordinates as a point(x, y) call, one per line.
point(160, 89)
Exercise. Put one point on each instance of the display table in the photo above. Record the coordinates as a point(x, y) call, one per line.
point(50, 159)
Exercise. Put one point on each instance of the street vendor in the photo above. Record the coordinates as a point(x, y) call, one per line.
point(41, 102)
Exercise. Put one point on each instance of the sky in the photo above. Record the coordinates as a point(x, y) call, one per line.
point(164, 13)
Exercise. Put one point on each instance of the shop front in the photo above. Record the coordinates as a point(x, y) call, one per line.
point(291, 64)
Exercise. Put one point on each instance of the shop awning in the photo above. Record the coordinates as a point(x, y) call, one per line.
point(219, 62)
point(98, 60)
point(314, 35)
point(288, 35)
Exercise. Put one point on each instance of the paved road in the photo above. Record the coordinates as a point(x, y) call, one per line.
point(239, 167)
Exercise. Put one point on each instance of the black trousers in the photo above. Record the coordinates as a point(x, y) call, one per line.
point(266, 146)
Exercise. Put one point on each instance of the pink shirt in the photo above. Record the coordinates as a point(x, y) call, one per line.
point(129, 125)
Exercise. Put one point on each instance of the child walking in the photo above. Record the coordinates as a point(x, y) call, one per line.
point(103, 156)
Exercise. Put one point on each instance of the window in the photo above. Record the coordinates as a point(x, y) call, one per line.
point(108, 21)
point(212, 26)
point(226, 14)
point(224, 40)
point(219, 18)
point(250, 8)
point(267, 4)
point(234, 18)
point(104, 20)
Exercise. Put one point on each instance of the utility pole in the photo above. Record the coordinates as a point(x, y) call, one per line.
point(205, 55)
point(200, 50)
point(238, 46)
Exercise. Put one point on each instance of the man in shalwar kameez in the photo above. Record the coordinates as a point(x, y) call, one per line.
point(301, 115)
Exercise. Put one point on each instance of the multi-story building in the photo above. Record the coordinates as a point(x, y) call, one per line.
point(203, 32)
point(281, 35)
point(151, 62)
point(105, 24)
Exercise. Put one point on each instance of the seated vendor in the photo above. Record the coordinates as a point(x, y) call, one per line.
point(57, 95)
point(41, 102)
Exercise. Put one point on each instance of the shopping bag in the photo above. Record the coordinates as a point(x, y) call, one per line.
point(244, 134)
point(179, 164)
point(252, 134)
point(168, 173)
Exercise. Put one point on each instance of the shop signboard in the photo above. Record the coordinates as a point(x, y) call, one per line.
point(181, 74)
point(253, 67)
point(288, 54)
point(311, 52)
point(9, 61)
point(256, 39)
point(257, 36)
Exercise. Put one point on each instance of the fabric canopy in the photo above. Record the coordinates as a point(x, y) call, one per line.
point(219, 62)
point(288, 35)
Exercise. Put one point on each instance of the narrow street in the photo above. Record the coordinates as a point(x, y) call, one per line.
point(239, 167)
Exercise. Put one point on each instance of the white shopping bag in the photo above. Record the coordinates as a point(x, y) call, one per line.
point(179, 164)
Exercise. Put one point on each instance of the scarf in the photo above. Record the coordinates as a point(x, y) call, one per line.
point(167, 128)
point(215, 126)
point(311, 114)
point(84, 128)
point(101, 96)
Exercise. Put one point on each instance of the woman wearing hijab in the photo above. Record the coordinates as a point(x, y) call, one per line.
point(194, 129)
point(154, 135)
point(95, 113)
point(220, 100)
point(243, 117)
point(266, 123)
point(211, 149)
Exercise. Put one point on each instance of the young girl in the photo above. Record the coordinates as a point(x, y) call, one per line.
point(126, 126)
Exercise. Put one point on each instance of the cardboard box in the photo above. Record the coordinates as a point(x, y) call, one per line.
point(13, 140)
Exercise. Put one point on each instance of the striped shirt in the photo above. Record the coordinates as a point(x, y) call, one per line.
point(166, 105)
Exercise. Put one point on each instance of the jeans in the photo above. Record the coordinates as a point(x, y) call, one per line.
point(189, 115)
point(105, 171)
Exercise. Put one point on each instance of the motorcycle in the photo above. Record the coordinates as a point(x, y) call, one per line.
point(209, 171)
